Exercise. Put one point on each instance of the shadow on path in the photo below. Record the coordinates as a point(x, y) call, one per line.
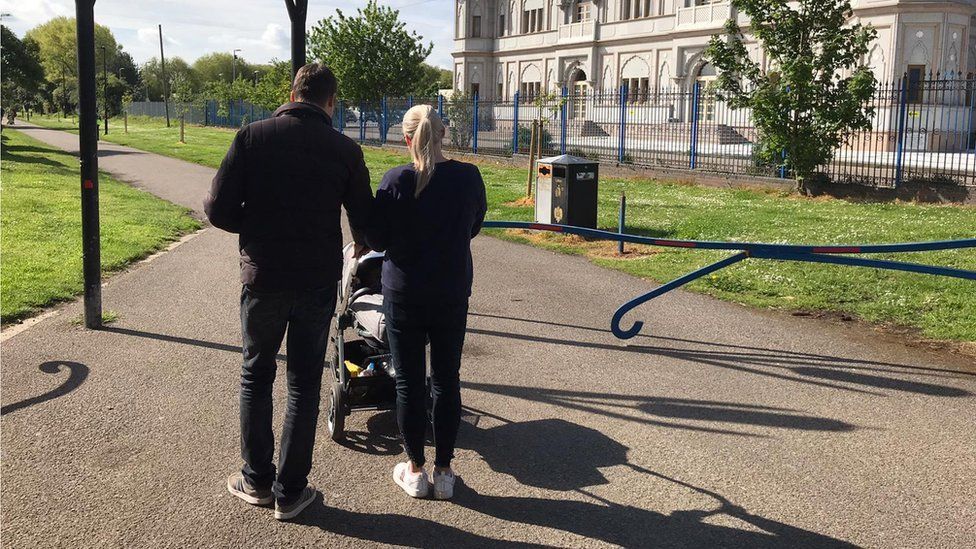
point(560, 456)
point(77, 373)
point(789, 364)
point(781, 355)
point(178, 339)
point(605, 404)
point(399, 530)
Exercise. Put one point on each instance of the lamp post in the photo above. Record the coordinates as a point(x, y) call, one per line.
point(88, 155)
point(234, 66)
point(105, 87)
point(255, 78)
point(297, 13)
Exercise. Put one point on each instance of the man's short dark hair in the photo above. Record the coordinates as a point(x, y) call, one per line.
point(314, 84)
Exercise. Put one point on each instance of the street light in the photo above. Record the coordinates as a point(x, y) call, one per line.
point(105, 87)
point(234, 66)
point(255, 78)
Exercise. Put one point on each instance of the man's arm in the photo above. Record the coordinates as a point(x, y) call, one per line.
point(225, 202)
point(358, 198)
point(479, 217)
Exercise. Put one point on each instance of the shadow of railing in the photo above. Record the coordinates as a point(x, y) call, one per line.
point(77, 374)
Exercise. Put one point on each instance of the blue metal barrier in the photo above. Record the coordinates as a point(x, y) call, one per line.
point(833, 254)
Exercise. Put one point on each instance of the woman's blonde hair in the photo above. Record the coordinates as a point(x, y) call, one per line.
point(425, 129)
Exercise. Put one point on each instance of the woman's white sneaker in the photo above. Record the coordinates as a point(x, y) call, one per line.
point(443, 485)
point(415, 485)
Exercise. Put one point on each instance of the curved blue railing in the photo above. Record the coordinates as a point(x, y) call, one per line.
point(834, 254)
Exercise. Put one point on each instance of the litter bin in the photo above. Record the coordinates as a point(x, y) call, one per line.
point(566, 191)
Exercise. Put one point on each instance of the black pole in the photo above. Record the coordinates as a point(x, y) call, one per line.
point(88, 145)
point(297, 12)
point(162, 63)
point(105, 87)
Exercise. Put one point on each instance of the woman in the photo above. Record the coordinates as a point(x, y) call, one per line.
point(426, 214)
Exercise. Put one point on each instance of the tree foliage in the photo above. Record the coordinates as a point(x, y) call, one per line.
point(372, 54)
point(58, 46)
point(220, 66)
point(273, 88)
point(432, 79)
point(20, 64)
point(815, 91)
point(151, 74)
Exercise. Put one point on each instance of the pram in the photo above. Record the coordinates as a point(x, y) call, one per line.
point(362, 369)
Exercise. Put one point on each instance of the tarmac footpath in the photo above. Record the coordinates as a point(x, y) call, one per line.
point(719, 426)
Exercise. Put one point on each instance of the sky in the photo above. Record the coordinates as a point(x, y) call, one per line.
point(260, 28)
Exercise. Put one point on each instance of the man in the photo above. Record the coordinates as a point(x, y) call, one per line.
point(280, 187)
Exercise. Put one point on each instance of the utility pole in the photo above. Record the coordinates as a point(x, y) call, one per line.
point(297, 12)
point(88, 145)
point(105, 87)
point(233, 68)
point(162, 64)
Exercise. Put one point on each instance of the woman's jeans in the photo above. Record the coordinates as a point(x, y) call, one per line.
point(408, 328)
point(264, 319)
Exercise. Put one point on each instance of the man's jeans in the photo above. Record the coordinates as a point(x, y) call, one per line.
point(264, 317)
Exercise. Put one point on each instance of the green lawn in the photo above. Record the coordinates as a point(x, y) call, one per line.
point(40, 225)
point(940, 308)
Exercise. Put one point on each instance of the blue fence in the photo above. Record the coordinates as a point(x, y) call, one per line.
point(921, 129)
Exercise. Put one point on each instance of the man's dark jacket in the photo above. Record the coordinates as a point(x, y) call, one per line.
point(281, 187)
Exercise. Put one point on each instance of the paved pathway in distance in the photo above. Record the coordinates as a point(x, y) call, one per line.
point(720, 426)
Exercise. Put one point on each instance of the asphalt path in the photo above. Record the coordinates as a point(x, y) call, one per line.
point(719, 426)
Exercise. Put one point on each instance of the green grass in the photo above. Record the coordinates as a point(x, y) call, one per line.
point(40, 225)
point(939, 307)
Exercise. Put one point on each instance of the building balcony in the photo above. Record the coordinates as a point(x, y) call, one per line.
point(708, 16)
point(525, 41)
point(474, 44)
point(584, 31)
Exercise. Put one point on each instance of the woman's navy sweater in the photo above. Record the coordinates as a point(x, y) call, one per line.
point(427, 239)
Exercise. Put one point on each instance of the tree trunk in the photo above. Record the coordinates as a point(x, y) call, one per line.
point(125, 120)
point(528, 179)
point(182, 118)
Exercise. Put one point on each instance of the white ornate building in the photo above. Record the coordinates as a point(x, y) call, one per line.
point(504, 46)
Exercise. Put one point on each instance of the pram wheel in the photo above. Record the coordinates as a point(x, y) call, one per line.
point(337, 413)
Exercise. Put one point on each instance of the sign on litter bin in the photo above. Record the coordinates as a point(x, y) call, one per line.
point(566, 191)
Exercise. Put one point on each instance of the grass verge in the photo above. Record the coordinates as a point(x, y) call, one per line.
point(40, 226)
point(937, 307)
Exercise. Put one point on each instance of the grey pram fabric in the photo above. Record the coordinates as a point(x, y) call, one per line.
point(368, 312)
point(360, 294)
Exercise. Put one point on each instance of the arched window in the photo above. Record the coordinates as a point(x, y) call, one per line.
point(636, 75)
point(530, 83)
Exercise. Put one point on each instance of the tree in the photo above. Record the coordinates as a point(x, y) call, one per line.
point(220, 66)
point(20, 64)
point(58, 47)
point(460, 113)
point(814, 94)
point(372, 54)
point(431, 80)
point(183, 99)
point(125, 68)
point(273, 88)
point(151, 75)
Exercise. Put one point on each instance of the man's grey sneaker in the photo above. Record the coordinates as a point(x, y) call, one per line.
point(290, 511)
point(239, 487)
point(443, 485)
